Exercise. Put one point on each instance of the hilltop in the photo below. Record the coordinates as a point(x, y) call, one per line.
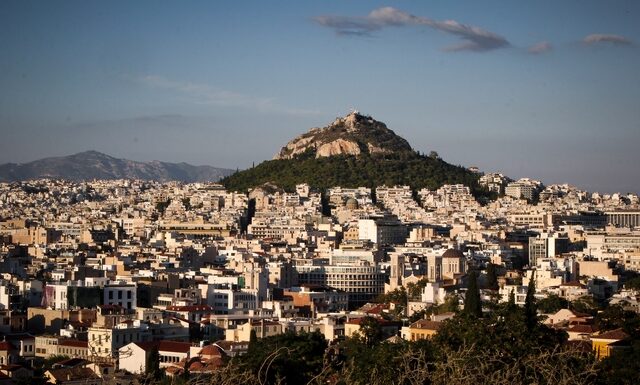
point(96, 165)
point(355, 150)
point(354, 134)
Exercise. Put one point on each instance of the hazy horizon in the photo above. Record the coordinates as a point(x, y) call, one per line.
point(545, 90)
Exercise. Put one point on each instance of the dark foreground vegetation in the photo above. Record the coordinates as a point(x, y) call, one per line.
point(506, 345)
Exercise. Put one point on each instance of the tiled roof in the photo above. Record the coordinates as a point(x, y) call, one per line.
point(426, 325)
point(210, 350)
point(70, 374)
point(581, 329)
point(10, 368)
point(381, 322)
point(616, 335)
point(71, 362)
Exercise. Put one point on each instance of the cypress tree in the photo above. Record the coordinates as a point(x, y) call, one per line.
point(492, 277)
point(472, 304)
point(512, 299)
point(530, 308)
point(153, 363)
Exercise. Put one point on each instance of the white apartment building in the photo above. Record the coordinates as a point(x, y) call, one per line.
point(121, 294)
point(381, 231)
point(362, 282)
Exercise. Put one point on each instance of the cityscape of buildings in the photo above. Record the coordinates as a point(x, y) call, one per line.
point(104, 272)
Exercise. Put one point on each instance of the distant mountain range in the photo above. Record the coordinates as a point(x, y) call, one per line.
point(355, 150)
point(96, 165)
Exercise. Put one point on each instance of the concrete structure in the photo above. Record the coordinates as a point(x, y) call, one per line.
point(546, 245)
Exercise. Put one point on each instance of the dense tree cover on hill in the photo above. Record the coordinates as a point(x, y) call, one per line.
point(407, 168)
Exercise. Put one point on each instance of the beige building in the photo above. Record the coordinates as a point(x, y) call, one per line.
point(352, 327)
point(47, 346)
point(262, 328)
point(105, 342)
point(420, 330)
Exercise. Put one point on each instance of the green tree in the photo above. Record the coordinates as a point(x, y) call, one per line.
point(253, 337)
point(621, 368)
point(370, 330)
point(152, 367)
point(585, 304)
point(414, 290)
point(290, 358)
point(512, 300)
point(615, 316)
point(162, 206)
point(450, 305)
point(633, 284)
point(530, 308)
point(552, 303)
point(472, 303)
point(492, 277)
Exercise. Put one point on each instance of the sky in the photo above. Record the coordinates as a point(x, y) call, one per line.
point(542, 89)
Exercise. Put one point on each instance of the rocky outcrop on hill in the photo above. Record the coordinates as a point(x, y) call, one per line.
point(338, 147)
point(353, 134)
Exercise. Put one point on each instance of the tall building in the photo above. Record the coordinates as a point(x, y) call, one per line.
point(523, 189)
point(547, 245)
point(382, 231)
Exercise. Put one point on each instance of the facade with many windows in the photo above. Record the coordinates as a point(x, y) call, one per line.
point(361, 282)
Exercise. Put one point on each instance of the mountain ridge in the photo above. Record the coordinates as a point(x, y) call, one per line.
point(92, 164)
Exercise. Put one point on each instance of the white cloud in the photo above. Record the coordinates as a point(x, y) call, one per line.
point(599, 38)
point(540, 47)
point(473, 38)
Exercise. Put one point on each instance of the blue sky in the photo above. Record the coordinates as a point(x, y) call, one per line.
point(544, 89)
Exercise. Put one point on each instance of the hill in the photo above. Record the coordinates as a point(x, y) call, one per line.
point(352, 151)
point(95, 165)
